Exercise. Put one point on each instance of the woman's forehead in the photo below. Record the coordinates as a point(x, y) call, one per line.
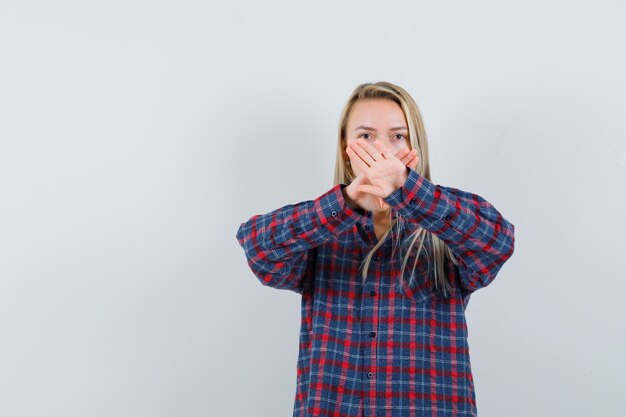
point(376, 113)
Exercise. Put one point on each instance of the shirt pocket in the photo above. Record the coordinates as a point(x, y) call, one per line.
point(417, 284)
point(418, 292)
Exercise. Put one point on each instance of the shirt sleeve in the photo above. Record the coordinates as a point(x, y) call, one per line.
point(278, 244)
point(473, 229)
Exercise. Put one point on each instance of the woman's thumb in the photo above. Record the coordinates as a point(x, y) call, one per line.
point(359, 179)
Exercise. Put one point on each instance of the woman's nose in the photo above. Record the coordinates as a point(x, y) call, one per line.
point(388, 143)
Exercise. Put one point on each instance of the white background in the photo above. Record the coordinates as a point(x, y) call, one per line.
point(137, 136)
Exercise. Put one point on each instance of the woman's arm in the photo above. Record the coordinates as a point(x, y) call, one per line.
point(474, 230)
point(277, 244)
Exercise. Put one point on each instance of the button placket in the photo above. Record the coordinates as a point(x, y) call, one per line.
point(376, 271)
point(370, 320)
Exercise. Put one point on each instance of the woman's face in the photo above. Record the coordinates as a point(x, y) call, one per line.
point(376, 119)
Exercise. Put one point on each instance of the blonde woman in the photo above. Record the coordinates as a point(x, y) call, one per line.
point(385, 262)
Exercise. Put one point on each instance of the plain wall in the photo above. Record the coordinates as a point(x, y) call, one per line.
point(135, 138)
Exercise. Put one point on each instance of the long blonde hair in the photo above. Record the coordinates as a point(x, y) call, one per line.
point(418, 141)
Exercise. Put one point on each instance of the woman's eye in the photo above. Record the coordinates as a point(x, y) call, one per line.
point(365, 134)
point(401, 136)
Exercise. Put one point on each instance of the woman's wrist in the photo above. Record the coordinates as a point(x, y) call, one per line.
point(349, 201)
point(403, 177)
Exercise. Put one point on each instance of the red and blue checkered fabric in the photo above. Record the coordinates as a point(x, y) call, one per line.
point(384, 347)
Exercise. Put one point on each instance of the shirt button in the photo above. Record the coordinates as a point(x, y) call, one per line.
point(372, 334)
point(377, 258)
point(370, 375)
point(372, 293)
point(334, 213)
point(448, 217)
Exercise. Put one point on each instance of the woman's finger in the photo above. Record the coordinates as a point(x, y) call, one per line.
point(359, 178)
point(371, 150)
point(362, 154)
point(402, 153)
point(384, 151)
point(407, 157)
point(413, 162)
point(361, 164)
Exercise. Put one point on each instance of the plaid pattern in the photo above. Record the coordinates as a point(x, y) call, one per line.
point(383, 347)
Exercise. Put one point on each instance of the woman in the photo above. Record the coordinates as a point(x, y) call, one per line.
point(385, 262)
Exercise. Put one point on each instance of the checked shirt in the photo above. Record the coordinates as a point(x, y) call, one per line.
point(382, 347)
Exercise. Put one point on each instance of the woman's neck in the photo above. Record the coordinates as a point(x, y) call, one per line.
point(381, 218)
point(382, 222)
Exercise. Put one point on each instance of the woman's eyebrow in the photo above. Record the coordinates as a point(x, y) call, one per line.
point(371, 128)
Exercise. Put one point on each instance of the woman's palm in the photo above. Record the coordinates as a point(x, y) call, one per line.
point(365, 200)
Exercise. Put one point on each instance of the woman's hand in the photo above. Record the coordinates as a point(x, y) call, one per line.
point(385, 171)
point(359, 199)
point(381, 173)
